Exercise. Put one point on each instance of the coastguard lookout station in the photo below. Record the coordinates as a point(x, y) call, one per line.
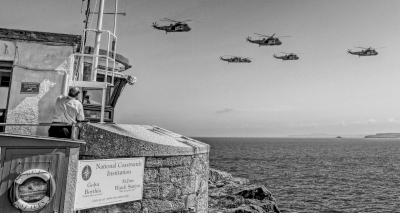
point(37, 67)
point(104, 166)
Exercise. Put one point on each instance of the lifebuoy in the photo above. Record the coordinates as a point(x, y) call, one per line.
point(15, 195)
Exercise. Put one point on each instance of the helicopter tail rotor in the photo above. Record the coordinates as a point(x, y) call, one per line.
point(248, 38)
point(154, 25)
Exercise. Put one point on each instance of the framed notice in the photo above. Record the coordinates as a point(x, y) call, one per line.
point(108, 181)
point(30, 88)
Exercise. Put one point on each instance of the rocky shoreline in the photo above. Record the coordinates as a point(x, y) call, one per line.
point(227, 194)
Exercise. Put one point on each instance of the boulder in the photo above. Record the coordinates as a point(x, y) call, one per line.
point(217, 175)
point(227, 194)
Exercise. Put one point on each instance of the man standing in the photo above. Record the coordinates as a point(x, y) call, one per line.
point(68, 110)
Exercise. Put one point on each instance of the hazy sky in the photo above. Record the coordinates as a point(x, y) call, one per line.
point(184, 87)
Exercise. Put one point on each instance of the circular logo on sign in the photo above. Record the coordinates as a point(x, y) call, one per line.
point(86, 172)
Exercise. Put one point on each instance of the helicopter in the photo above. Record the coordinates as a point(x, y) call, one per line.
point(268, 41)
point(236, 59)
point(289, 56)
point(366, 52)
point(178, 26)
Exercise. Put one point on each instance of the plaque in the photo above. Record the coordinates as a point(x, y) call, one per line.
point(30, 88)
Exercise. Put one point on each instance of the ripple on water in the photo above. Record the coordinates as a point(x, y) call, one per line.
point(316, 175)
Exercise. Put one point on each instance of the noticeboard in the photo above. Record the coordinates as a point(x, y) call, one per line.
point(30, 88)
point(108, 181)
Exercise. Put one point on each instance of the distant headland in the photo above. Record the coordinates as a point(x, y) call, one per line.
point(384, 135)
point(326, 135)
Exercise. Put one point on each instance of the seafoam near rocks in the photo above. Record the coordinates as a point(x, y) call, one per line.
point(227, 194)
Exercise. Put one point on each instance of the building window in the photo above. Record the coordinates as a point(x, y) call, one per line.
point(91, 99)
point(2, 119)
point(5, 83)
point(5, 79)
point(94, 95)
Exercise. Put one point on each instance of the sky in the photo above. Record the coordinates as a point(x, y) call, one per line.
point(184, 87)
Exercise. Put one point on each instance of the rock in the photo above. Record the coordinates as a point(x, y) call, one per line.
point(241, 181)
point(254, 192)
point(227, 194)
point(219, 184)
point(211, 185)
point(216, 175)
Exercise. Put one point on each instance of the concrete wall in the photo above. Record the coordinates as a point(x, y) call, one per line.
point(7, 50)
point(176, 167)
point(34, 63)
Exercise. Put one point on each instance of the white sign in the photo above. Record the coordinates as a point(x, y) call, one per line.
point(108, 181)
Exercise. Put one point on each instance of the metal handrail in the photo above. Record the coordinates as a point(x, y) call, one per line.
point(92, 55)
point(73, 133)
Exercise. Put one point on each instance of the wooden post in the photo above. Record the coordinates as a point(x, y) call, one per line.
point(74, 132)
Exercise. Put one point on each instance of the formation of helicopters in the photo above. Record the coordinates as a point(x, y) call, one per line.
point(182, 26)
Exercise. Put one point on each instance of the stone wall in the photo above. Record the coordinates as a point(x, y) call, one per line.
point(229, 194)
point(171, 184)
point(175, 175)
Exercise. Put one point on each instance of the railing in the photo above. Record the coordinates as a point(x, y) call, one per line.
point(79, 82)
point(74, 132)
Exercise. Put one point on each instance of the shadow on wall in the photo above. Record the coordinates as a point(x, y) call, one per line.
point(28, 111)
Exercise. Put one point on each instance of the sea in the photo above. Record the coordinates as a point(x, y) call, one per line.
point(321, 175)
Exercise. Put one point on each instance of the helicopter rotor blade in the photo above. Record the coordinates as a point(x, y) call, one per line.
point(378, 48)
point(283, 36)
point(261, 35)
point(285, 52)
point(362, 47)
point(167, 19)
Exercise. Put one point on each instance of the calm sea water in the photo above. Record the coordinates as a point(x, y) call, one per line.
point(316, 175)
